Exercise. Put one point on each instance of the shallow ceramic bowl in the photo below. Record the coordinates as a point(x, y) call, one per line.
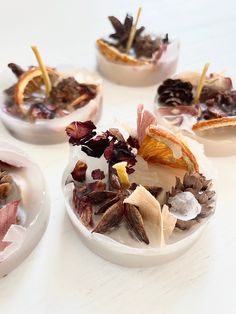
point(53, 131)
point(34, 203)
point(132, 253)
point(140, 75)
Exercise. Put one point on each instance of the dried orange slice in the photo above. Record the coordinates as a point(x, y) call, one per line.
point(162, 147)
point(114, 55)
point(214, 123)
point(31, 82)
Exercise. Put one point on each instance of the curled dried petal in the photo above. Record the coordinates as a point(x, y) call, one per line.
point(79, 131)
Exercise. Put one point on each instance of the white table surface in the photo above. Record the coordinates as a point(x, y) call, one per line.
point(63, 276)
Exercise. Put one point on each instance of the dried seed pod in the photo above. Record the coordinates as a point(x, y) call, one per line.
point(135, 222)
point(111, 218)
point(106, 205)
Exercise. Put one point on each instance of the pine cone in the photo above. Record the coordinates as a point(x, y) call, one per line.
point(200, 187)
point(175, 92)
point(5, 184)
point(145, 46)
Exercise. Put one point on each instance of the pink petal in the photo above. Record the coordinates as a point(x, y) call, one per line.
point(7, 218)
point(144, 120)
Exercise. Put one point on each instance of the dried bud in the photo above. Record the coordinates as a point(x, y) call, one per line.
point(79, 172)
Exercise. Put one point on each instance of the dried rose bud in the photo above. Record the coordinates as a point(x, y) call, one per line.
point(98, 174)
point(79, 172)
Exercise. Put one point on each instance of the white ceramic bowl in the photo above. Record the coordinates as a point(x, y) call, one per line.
point(35, 204)
point(133, 254)
point(140, 75)
point(53, 131)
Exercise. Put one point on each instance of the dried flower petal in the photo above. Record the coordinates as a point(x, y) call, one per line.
point(7, 218)
point(98, 174)
point(80, 131)
point(79, 171)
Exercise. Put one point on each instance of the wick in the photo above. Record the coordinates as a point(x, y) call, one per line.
point(201, 83)
point(133, 31)
point(122, 173)
point(43, 69)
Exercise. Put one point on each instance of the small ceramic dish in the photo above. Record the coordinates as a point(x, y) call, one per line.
point(32, 117)
point(211, 120)
point(122, 195)
point(24, 210)
point(149, 61)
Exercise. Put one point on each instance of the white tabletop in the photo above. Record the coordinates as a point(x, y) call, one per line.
point(62, 275)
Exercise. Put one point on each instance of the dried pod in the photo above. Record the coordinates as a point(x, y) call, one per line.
point(135, 222)
point(111, 218)
point(79, 171)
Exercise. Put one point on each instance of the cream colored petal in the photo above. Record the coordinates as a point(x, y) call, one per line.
point(169, 222)
point(149, 208)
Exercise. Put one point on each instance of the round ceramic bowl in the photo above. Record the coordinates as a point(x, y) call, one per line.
point(140, 75)
point(53, 131)
point(34, 207)
point(118, 247)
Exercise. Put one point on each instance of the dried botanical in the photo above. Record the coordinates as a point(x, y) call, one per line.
point(5, 184)
point(201, 189)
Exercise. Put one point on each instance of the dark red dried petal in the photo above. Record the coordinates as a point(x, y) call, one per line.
point(79, 172)
point(95, 147)
point(79, 131)
point(98, 174)
point(109, 150)
point(133, 142)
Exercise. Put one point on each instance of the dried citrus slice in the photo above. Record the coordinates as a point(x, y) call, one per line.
point(114, 55)
point(214, 123)
point(31, 82)
point(162, 147)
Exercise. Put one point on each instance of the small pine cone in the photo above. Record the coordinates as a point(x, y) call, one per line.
point(5, 184)
point(200, 187)
point(175, 92)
